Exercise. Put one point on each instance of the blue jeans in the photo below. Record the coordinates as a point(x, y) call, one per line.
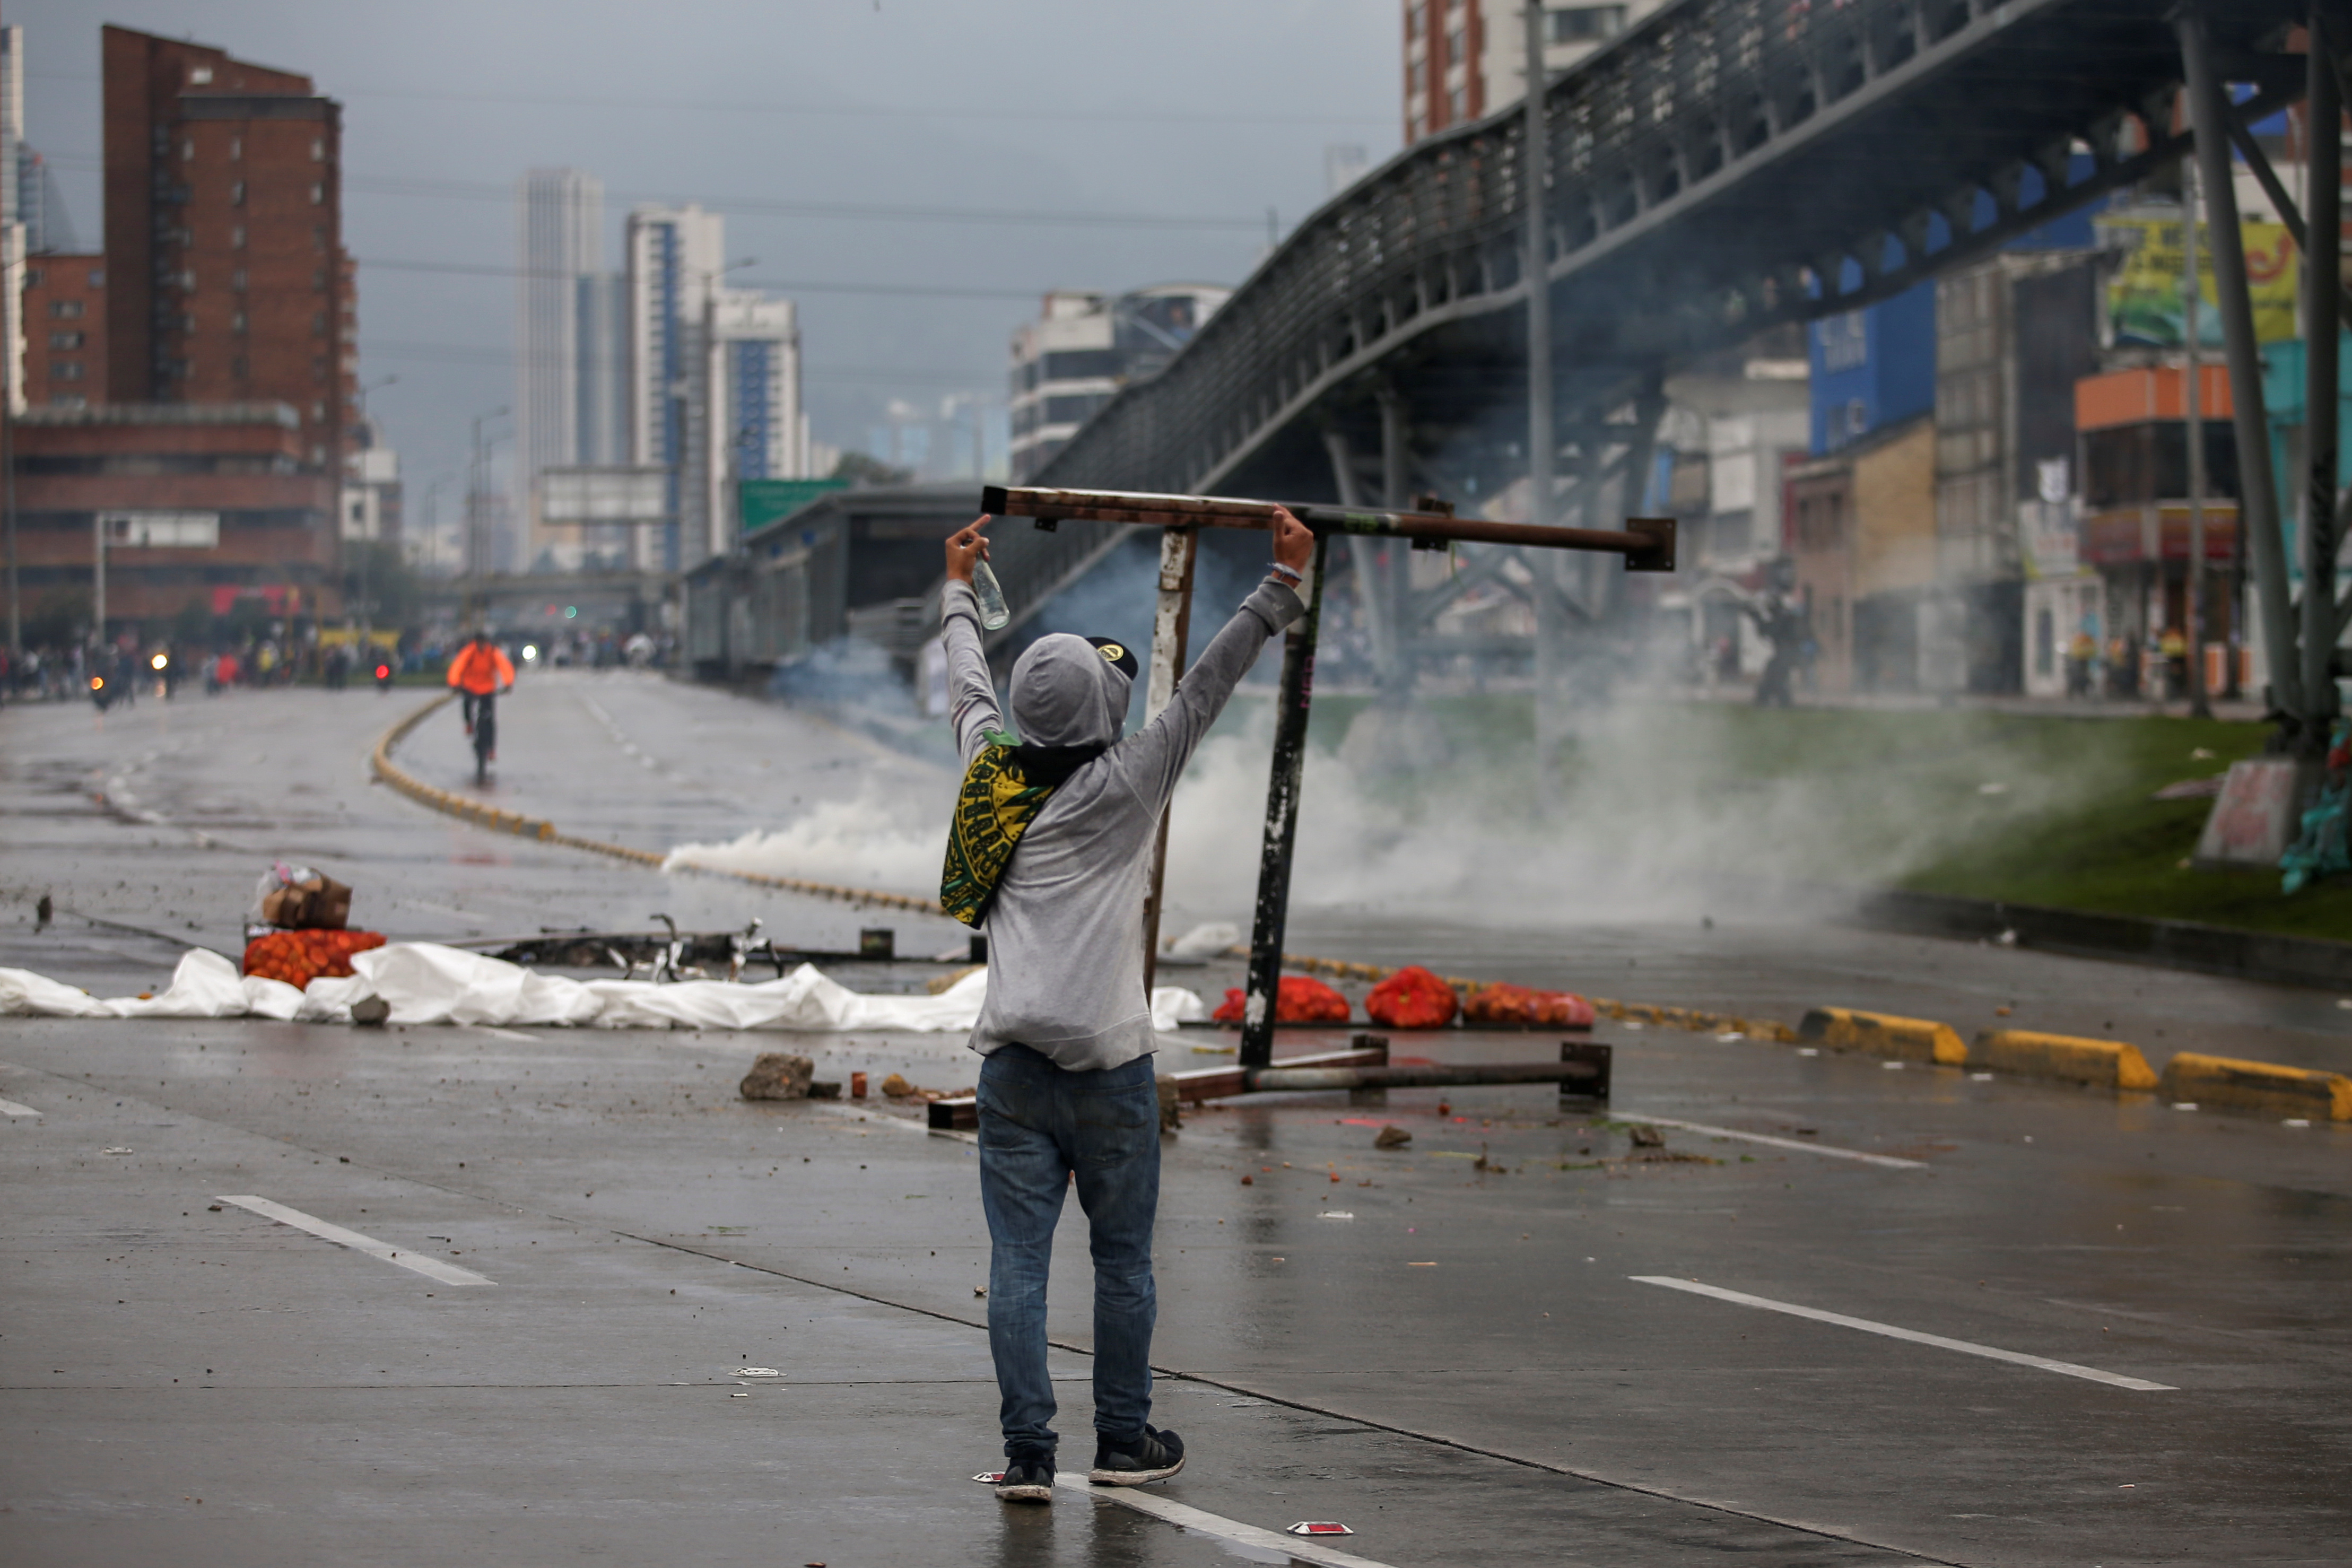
point(1039, 1124)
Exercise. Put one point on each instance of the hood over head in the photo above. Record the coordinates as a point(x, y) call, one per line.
point(1066, 692)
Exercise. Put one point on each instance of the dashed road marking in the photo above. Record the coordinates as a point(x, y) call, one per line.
point(431, 1267)
point(1835, 1153)
point(1992, 1352)
point(10, 1108)
point(1232, 1529)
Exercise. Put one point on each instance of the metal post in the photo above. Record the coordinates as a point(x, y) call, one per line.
point(1171, 625)
point(2258, 514)
point(1542, 435)
point(2323, 274)
point(98, 576)
point(2193, 412)
point(1272, 916)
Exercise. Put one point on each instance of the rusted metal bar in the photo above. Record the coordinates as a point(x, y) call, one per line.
point(1171, 625)
point(1223, 1082)
point(1646, 543)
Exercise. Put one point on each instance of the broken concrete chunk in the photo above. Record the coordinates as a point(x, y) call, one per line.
point(827, 1089)
point(1645, 1136)
point(370, 1011)
point(896, 1087)
point(777, 1075)
point(1392, 1138)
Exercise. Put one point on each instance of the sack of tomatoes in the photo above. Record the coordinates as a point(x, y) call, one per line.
point(299, 957)
point(1300, 999)
point(1507, 1004)
point(1412, 998)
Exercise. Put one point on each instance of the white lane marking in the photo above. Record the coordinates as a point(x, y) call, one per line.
point(1741, 1299)
point(1290, 1546)
point(510, 1034)
point(861, 1113)
point(1835, 1153)
point(431, 1267)
point(10, 1108)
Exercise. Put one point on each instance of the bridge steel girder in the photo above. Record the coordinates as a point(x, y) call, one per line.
point(1709, 167)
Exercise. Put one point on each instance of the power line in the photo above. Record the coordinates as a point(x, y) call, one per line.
point(466, 354)
point(477, 190)
point(923, 290)
point(820, 110)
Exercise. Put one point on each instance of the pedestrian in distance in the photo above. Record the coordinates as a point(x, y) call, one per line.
point(1066, 1091)
point(480, 670)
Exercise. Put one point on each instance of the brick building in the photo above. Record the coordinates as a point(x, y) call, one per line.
point(226, 279)
point(65, 331)
point(204, 504)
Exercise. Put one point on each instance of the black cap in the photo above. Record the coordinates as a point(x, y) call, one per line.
point(1117, 655)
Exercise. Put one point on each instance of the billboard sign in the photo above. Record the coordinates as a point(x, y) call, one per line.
point(603, 495)
point(2144, 293)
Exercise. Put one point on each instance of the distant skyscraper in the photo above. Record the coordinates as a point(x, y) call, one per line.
point(675, 260)
point(1082, 348)
point(756, 430)
point(561, 238)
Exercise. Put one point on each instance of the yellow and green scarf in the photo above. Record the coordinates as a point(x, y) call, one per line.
point(1002, 792)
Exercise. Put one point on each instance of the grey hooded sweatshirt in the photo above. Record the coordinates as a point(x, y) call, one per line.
point(1066, 928)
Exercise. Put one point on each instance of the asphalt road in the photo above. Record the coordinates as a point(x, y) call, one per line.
point(1495, 1358)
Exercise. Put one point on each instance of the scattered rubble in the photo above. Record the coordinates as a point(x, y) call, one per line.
point(777, 1075)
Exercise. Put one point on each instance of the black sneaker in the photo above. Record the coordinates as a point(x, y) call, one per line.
point(1028, 1478)
point(1153, 1456)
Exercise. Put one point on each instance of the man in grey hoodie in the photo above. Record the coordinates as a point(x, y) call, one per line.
point(1066, 1096)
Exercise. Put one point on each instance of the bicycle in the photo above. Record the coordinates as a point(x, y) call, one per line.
point(486, 735)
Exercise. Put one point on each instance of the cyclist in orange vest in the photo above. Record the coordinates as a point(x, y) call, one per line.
point(481, 670)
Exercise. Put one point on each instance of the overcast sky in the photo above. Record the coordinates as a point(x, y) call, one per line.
point(1176, 126)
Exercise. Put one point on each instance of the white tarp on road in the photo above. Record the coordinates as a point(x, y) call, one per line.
point(424, 982)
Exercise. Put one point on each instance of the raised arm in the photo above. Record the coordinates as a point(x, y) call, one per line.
point(1166, 745)
point(972, 695)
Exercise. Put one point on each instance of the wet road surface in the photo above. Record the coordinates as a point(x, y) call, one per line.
point(1477, 1365)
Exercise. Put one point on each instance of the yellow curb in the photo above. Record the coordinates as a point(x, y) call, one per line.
point(2108, 1064)
point(2258, 1086)
point(1882, 1034)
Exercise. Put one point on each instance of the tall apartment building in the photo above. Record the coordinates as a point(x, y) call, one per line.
point(63, 364)
point(675, 257)
point(1082, 348)
point(560, 238)
point(1465, 59)
point(756, 428)
point(227, 278)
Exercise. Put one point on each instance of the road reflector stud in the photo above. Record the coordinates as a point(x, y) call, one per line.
point(2107, 1064)
point(2192, 1078)
point(1884, 1035)
point(1319, 1527)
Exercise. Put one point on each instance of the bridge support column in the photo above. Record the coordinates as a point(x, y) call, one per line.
point(1364, 555)
point(2258, 514)
point(2323, 269)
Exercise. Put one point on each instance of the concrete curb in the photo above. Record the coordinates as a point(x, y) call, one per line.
point(2103, 1064)
point(2192, 1079)
point(1884, 1035)
point(2124, 938)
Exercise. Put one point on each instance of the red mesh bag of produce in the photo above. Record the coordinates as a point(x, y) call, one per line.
point(1505, 1003)
point(299, 957)
point(1412, 998)
point(1300, 999)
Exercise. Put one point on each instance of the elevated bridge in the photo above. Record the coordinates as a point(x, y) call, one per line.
point(1724, 168)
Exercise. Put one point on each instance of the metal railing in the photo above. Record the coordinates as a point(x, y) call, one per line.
point(1723, 167)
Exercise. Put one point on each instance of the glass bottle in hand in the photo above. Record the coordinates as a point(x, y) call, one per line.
point(994, 614)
